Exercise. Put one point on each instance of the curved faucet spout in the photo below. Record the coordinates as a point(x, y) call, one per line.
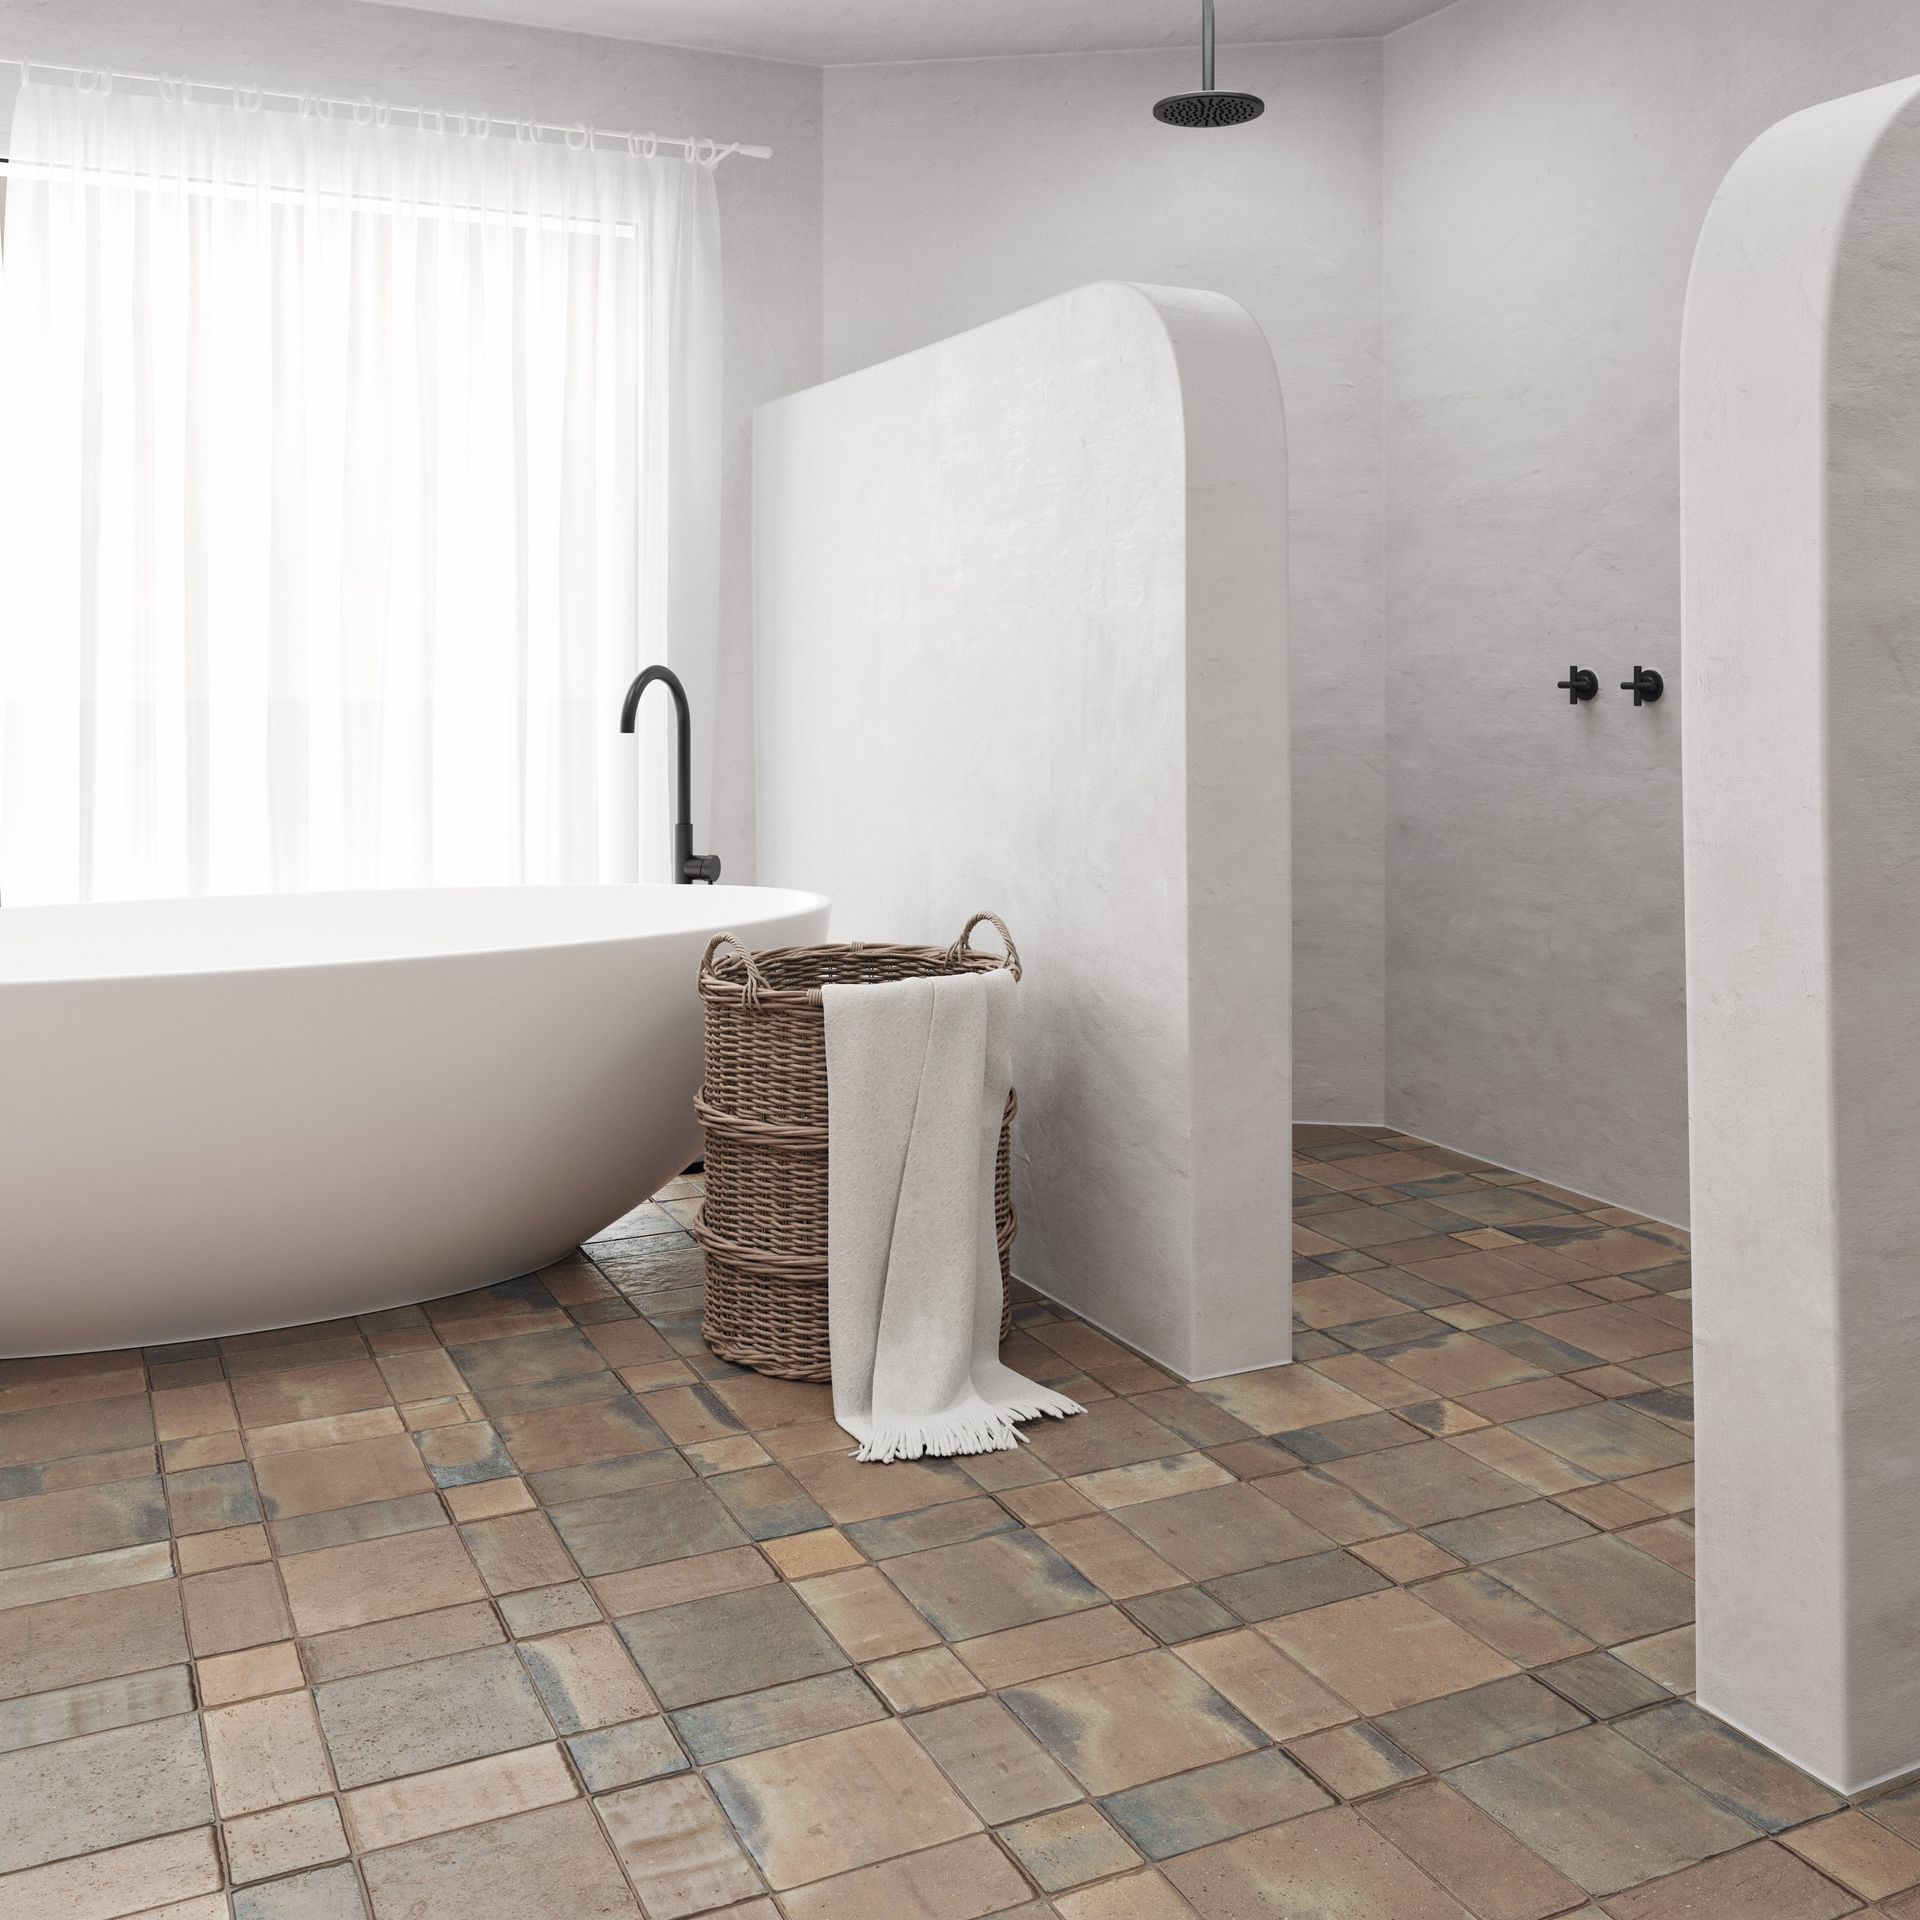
point(688, 866)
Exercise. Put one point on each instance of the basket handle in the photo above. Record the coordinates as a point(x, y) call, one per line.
point(756, 982)
point(960, 946)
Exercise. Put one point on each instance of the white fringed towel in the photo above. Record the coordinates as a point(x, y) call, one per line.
point(917, 1080)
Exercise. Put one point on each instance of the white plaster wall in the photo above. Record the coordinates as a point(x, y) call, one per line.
point(1548, 167)
point(1801, 438)
point(960, 190)
point(770, 210)
point(1021, 646)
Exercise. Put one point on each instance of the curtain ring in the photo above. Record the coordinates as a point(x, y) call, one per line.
point(651, 144)
point(586, 137)
point(248, 104)
point(88, 81)
point(106, 80)
point(382, 114)
point(361, 119)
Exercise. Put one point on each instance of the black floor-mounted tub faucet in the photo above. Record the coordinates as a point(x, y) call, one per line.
point(688, 866)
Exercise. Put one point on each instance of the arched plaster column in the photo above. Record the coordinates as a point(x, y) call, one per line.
point(1020, 643)
point(1801, 451)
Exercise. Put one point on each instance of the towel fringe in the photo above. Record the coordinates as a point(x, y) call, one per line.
point(943, 1438)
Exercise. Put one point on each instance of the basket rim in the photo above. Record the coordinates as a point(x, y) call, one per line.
point(731, 971)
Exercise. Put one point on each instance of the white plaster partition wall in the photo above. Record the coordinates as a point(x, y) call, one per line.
point(959, 190)
point(1020, 611)
point(1801, 504)
point(1548, 167)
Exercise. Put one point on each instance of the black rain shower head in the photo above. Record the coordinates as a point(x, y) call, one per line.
point(1208, 107)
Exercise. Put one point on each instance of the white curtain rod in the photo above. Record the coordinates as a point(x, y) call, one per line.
point(709, 151)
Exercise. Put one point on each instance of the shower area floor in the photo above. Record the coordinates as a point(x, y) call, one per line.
point(521, 1605)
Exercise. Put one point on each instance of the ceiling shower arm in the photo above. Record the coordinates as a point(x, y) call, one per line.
point(1206, 46)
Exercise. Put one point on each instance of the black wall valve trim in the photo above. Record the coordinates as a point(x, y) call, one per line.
point(1581, 683)
point(1646, 686)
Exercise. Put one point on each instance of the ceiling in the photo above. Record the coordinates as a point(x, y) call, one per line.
point(831, 33)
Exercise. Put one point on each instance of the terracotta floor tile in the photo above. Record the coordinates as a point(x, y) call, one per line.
point(1731, 1769)
point(645, 1525)
point(1665, 1657)
point(1323, 1503)
point(1148, 1480)
point(1129, 1721)
point(997, 1765)
point(624, 1756)
point(946, 1525)
point(1169, 1817)
point(1180, 1613)
point(94, 1707)
point(1284, 1399)
point(1602, 1587)
point(35, 1435)
point(101, 1790)
point(1505, 1620)
point(1607, 1439)
point(402, 1720)
point(400, 1642)
point(283, 1839)
point(767, 1502)
point(90, 1636)
point(274, 1399)
point(727, 1644)
point(845, 1800)
point(316, 1478)
point(1762, 1880)
point(396, 1811)
point(1222, 1530)
point(517, 1551)
point(986, 1586)
point(1385, 1650)
point(1052, 1646)
point(851, 1491)
point(774, 1716)
point(1506, 1531)
point(323, 1430)
point(87, 1573)
point(1474, 1858)
point(865, 1613)
point(1597, 1807)
point(553, 1864)
point(321, 1893)
point(211, 1499)
point(236, 1607)
point(461, 1453)
point(1069, 1847)
point(488, 1499)
point(112, 1883)
point(377, 1579)
point(244, 1676)
point(1601, 1685)
point(585, 1678)
point(913, 1682)
point(1489, 1719)
point(1859, 1853)
point(344, 1526)
point(673, 1582)
point(524, 1357)
point(1115, 1559)
point(83, 1520)
point(1421, 1485)
point(962, 1880)
point(544, 1438)
point(1135, 1896)
point(1330, 1862)
point(1354, 1759)
point(1277, 1695)
point(265, 1752)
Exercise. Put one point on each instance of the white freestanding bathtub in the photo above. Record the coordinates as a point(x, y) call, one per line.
point(223, 1115)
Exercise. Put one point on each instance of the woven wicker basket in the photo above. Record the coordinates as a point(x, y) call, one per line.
point(763, 1103)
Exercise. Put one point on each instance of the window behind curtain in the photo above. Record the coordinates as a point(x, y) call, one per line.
point(352, 472)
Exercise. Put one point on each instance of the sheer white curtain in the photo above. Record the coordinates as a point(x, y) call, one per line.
point(351, 472)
